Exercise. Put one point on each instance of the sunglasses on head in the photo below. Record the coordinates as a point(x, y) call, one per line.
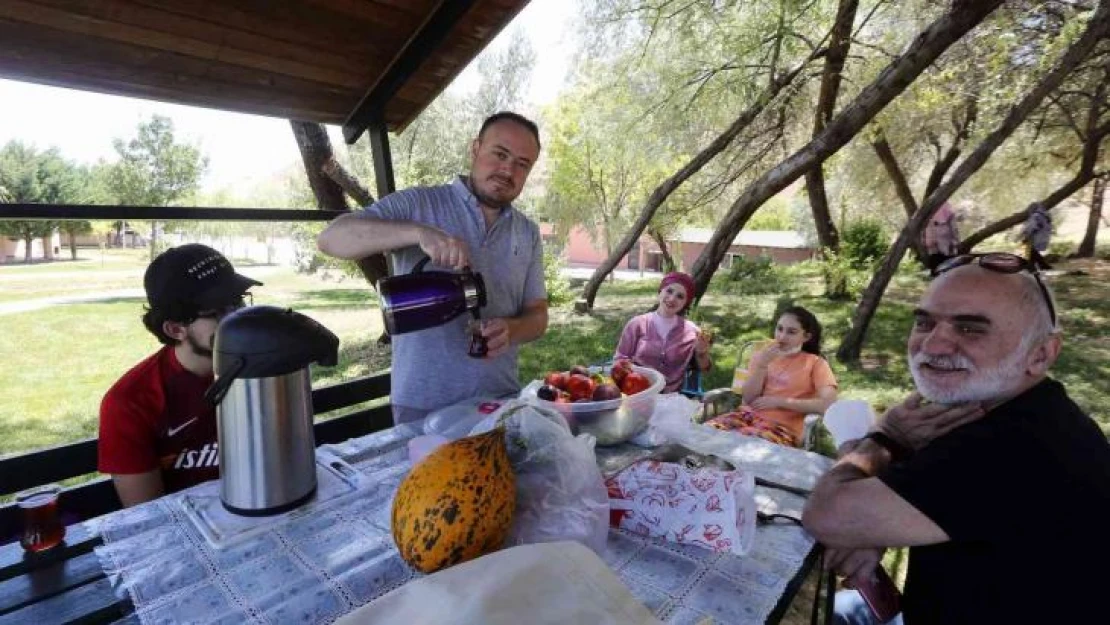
point(1001, 262)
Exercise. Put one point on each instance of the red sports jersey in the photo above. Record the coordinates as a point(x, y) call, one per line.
point(156, 416)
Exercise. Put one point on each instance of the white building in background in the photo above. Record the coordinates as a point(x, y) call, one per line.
point(15, 250)
point(259, 250)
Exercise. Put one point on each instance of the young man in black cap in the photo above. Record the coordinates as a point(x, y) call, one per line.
point(157, 432)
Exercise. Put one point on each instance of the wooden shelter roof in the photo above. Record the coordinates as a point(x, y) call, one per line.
point(350, 62)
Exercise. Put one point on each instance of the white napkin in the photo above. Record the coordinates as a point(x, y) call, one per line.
point(548, 583)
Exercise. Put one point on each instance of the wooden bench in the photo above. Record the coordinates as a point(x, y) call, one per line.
point(97, 496)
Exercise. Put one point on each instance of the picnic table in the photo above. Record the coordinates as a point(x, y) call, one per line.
point(152, 564)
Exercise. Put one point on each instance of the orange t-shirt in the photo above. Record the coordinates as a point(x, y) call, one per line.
point(797, 376)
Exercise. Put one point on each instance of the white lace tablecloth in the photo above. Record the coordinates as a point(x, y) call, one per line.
point(330, 557)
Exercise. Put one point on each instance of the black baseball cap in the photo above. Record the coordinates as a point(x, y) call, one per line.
point(195, 275)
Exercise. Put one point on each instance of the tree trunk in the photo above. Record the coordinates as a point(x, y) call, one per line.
point(316, 152)
point(839, 45)
point(893, 80)
point(28, 241)
point(1093, 135)
point(1097, 29)
point(153, 240)
point(72, 246)
point(661, 241)
point(901, 187)
point(693, 166)
point(963, 130)
point(332, 169)
point(1098, 195)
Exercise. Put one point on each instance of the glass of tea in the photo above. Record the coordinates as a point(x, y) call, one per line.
point(42, 527)
point(478, 343)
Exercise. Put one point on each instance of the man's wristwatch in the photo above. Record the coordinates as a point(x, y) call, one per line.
point(898, 451)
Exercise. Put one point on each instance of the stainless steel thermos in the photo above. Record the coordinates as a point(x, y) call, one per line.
point(263, 401)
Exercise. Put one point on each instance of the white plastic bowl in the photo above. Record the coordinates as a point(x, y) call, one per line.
point(612, 421)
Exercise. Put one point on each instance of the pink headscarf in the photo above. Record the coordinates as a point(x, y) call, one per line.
point(683, 279)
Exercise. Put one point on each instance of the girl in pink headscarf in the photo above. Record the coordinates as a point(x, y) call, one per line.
point(664, 339)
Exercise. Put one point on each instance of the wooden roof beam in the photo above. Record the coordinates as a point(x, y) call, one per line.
point(418, 50)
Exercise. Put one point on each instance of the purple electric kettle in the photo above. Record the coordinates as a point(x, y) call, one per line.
point(425, 299)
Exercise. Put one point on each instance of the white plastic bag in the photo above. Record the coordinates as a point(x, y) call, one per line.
point(670, 409)
point(560, 492)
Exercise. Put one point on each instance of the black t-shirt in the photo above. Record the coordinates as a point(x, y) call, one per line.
point(1024, 496)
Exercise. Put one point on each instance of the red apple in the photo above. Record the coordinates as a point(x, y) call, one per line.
point(580, 387)
point(558, 379)
point(635, 383)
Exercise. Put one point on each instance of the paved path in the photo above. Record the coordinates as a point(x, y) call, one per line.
point(10, 308)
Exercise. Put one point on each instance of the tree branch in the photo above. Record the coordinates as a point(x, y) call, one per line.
point(340, 176)
point(1096, 29)
point(694, 165)
point(893, 80)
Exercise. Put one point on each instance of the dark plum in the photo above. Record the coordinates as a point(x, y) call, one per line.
point(547, 392)
point(605, 392)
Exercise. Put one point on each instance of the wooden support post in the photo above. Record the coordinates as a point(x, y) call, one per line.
point(383, 159)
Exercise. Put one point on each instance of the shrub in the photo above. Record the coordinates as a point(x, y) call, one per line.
point(863, 243)
point(844, 278)
point(754, 275)
point(558, 289)
point(1059, 250)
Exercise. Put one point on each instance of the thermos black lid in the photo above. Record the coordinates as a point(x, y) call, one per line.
point(262, 341)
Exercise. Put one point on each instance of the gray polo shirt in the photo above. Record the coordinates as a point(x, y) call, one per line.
point(430, 367)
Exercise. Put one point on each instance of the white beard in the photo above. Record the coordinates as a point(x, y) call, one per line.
point(980, 385)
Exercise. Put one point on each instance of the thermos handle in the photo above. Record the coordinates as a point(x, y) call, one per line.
point(423, 262)
point(215, 393)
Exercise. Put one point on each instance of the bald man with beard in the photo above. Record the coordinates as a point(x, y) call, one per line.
point(997, 482)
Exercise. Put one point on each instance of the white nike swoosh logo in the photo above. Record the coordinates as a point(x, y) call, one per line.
point(177, 429)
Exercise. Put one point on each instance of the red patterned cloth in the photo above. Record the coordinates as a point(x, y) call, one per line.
point(706, 507)
point(747, 421)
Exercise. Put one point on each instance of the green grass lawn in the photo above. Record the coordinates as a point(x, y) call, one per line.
point(56, 362)
point(881, 377)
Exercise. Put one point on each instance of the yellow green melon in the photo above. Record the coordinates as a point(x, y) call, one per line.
point(456, 504)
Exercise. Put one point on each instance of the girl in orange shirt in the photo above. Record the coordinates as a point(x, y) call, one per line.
point(786, 381)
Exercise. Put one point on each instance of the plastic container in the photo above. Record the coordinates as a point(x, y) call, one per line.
point(848, 420)
point(457, 420)
point(421, 446)
point(613, 421)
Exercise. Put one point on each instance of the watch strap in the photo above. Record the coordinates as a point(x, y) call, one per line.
point(898, 451)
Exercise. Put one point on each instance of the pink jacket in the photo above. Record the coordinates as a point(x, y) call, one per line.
point(941, 236)
point(670, 355)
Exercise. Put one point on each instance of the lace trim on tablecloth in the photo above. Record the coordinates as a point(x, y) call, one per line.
point(326, 562)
